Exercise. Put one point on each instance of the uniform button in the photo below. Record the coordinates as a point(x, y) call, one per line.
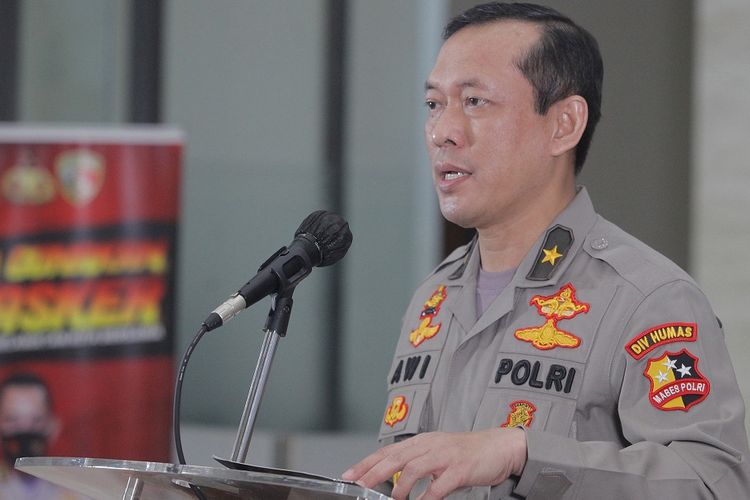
point(600, 244)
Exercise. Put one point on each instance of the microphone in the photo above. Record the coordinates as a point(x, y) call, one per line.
point(322, 239)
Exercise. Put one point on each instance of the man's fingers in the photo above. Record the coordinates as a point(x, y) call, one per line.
point(388, 466)
point(381, 465)
point(443, 484)
point(452, 460)
point(357, 470)
point(425, 466)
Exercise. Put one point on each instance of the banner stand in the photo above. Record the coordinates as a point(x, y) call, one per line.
point(88, 259)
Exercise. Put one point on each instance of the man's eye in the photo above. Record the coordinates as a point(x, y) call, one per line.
point(474, 101)
point(430, 104)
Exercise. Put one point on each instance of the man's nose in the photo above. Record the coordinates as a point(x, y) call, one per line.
point(449, 128)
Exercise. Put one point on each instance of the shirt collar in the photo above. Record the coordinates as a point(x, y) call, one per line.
point(544, 264)
point(567, 231)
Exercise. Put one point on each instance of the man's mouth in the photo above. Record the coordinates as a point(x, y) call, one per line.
point(452, 175)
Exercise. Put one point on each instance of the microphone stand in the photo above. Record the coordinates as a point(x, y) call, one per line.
point(275, 328)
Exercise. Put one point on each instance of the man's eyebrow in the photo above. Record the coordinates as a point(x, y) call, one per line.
point(471, 83)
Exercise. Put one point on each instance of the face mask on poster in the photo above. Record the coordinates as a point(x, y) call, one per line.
point(24, 444)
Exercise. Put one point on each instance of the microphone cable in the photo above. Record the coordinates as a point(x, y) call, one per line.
point(177, 402)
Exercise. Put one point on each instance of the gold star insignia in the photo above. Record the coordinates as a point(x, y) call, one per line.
point(551, 255)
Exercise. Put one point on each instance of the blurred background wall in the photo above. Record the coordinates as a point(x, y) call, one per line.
point(295, 105)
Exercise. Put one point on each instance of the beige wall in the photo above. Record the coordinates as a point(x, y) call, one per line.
point(721, 174)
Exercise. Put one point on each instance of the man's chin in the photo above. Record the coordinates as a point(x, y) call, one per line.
point(453, 214)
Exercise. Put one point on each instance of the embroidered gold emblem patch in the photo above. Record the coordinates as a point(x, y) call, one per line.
point(560, 306)
point(396, 411)
point(426, 330)
point(521, 413)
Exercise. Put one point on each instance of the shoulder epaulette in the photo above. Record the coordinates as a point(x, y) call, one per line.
point(552, 253)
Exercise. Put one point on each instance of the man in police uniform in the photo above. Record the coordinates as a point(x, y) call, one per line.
point(555, 356)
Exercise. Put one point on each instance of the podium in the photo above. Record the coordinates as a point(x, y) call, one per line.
point(106, 479)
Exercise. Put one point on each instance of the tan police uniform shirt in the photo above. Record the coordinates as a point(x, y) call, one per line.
point(604, 351)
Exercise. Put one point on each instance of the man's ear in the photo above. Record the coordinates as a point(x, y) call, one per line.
point(570, 117)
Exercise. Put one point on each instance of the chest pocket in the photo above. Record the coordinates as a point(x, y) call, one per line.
point(533, 392)
point(418, 353)
point(539, 368)
point(405, 414)
point(409, 381)
point(408, 410)
point(513, 409)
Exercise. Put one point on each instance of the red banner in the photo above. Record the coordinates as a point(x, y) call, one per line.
point(88, 221)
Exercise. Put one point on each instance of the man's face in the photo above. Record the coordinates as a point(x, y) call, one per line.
point(486, 142)
point(26, 422)
point(24, 409)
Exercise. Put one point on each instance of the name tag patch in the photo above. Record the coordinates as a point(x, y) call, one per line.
point(538, 374)
point(412, 369)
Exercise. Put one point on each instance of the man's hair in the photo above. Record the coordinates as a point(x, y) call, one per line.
point(27, 380)
point(564, 62)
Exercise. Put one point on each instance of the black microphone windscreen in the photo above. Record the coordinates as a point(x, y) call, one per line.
point(331, 233)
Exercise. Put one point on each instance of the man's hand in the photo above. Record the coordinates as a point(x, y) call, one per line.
point(452, 460)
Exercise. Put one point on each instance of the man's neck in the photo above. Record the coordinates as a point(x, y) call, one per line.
point(504, 245)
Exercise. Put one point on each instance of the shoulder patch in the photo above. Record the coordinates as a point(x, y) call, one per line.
point(553, 251)
point(650, 339)
point(676, 383)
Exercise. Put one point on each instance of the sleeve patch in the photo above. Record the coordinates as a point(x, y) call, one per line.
point(676, 382)
point(650, 339)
